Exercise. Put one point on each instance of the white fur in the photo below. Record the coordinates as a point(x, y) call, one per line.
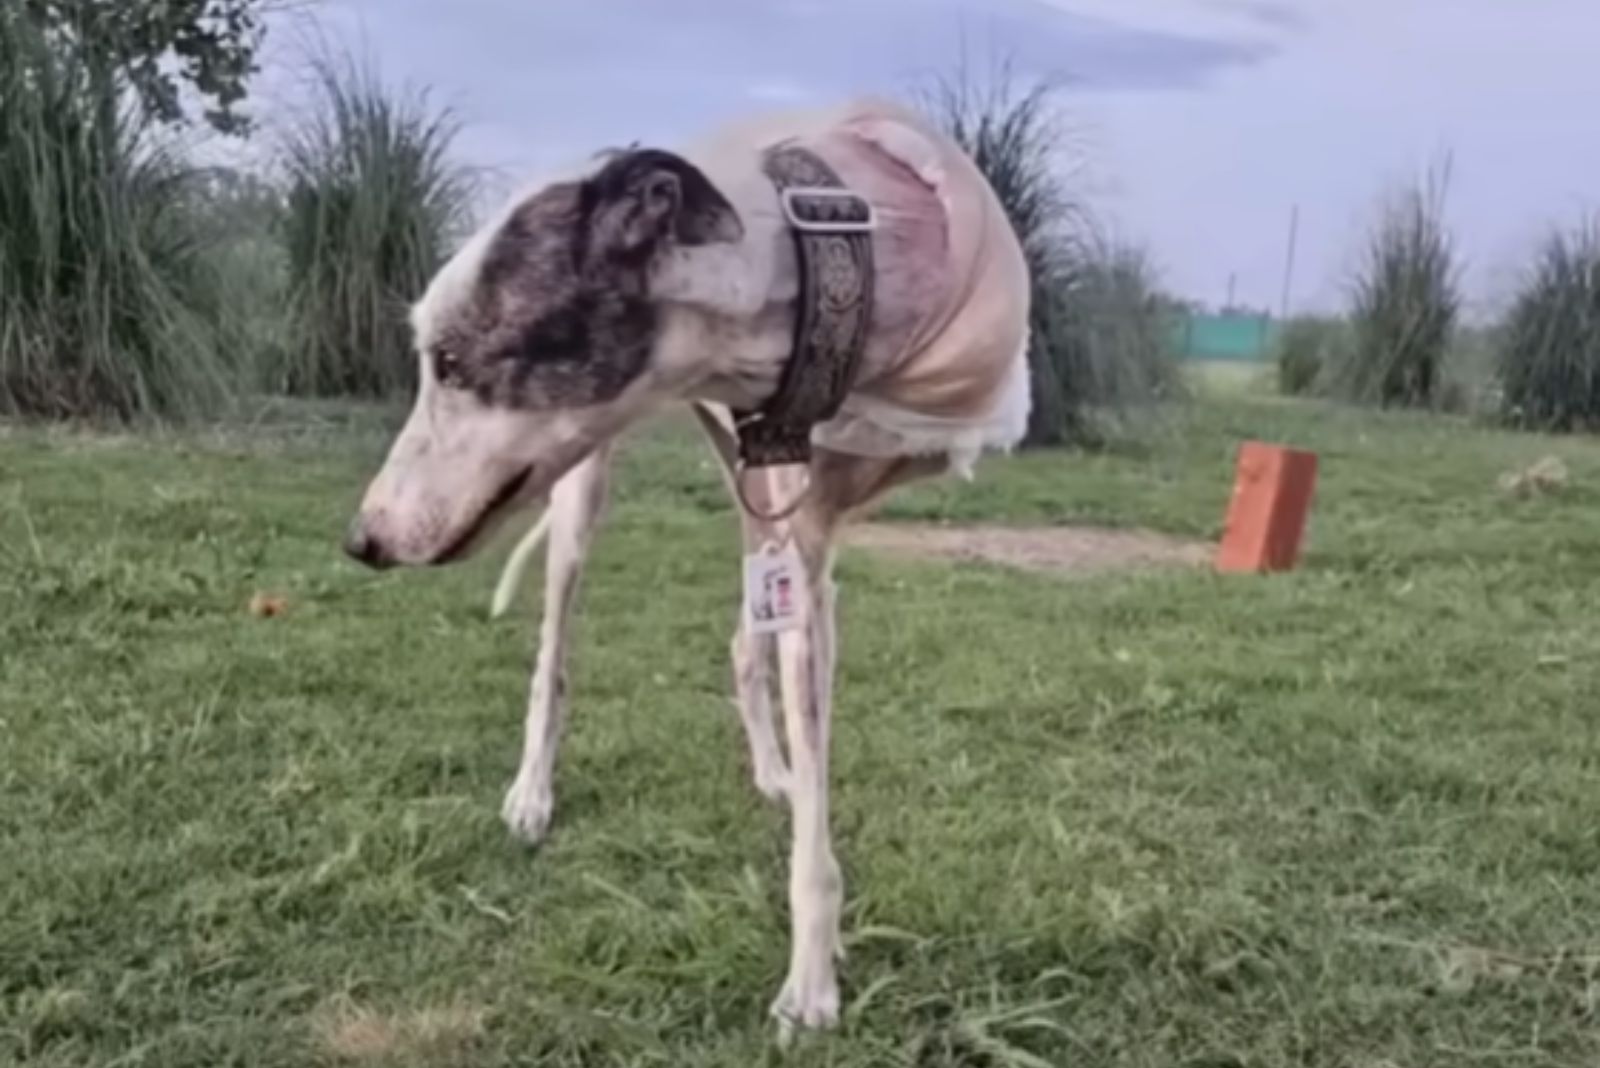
point(452, 284)
point(751, 655)
point(866, 426)
point(810, 993)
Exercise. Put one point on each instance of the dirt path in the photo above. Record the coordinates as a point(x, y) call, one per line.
point(1060, 549)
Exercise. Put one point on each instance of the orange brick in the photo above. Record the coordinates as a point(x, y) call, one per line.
point(1267, 516)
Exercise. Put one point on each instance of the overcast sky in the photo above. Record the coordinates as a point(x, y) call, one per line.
point(1205, 120)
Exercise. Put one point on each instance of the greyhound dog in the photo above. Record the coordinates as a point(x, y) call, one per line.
point(649, 278)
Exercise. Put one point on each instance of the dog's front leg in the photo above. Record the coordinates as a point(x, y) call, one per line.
point(810, 994)
point(576, 503)
point(752, 661)
point(752, 657)
point(752, 653)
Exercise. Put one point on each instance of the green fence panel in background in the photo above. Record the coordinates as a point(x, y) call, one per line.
point(1224, 337)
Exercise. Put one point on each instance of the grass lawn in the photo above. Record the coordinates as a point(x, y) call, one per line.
point(1233, 377)
point(1344, 817)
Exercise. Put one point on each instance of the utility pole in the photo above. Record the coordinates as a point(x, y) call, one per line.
point(1233, 284)
point(1288, 263)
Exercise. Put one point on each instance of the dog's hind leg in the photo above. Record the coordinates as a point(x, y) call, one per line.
point(752, 654)
point(576, 504)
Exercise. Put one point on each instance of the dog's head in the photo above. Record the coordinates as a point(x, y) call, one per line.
point(536, 344)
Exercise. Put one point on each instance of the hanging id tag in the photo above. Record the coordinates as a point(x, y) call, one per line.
point(773, 585)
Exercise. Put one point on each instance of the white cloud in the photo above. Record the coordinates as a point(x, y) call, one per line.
point(1220, 19)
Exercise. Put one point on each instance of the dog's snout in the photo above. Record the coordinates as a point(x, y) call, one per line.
point(360, 544)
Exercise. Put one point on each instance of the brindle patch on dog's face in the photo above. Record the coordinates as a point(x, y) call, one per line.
point(559, 315)
point(534, 342)
point(542, 328)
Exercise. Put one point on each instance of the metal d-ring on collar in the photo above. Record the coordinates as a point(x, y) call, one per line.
point(832, 229)
point(768, 517)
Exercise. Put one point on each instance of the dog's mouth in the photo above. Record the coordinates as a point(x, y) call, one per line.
point(476, 531)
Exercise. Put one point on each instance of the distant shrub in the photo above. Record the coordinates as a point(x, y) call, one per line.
point(1305, 348)
point(1100, 343)
point(1549, 355)
point(106, 306)
point(1471, 378)
point(373, 204)
point(241, 216)
point(1105, 342)
point(1404, 306)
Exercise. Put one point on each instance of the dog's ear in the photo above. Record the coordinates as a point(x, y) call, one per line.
point(644, 198)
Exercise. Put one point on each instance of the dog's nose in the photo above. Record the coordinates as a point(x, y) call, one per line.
point(361, 545)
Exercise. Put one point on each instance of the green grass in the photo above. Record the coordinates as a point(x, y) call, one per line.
point(1229, 378)
point(1340, 817)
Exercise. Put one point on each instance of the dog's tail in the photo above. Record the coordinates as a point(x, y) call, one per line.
point(516, 564)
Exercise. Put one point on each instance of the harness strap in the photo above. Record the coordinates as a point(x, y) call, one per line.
point(832, 230)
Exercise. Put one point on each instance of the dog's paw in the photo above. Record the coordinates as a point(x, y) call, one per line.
point(809, 1000)
point(527, 810)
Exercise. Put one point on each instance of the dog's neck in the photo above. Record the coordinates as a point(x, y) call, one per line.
point(731, 361)
point(727, 320)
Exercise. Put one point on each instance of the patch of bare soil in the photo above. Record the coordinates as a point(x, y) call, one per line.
point(1074, 550)
point(354, 1033)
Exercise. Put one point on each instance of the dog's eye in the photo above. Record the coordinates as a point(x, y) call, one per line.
point(446, 367)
